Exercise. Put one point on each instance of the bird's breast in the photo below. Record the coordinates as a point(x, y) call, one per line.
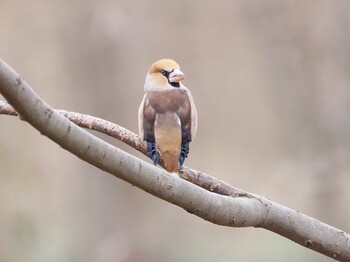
point(172, 100)
point(167, 131)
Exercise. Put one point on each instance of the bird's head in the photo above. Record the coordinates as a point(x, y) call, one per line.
point(164, 74)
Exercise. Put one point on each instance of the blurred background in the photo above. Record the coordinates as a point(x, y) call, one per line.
point(271, 83)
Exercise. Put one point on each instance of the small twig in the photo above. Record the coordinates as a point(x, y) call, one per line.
point(7, 109)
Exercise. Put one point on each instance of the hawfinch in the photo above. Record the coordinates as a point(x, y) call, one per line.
point(167, 115)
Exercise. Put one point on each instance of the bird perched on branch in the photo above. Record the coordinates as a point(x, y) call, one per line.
point(167, 115)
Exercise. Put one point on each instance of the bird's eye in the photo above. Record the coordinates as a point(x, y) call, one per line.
point(163, 72)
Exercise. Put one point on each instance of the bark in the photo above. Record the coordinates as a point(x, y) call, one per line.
point(202, 195)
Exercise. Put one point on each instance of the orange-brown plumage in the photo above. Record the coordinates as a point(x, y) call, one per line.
point(167, 115)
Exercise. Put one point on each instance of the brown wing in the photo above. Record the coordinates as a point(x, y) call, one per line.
point(140, 118)
point(147, 117)
point(194, 116)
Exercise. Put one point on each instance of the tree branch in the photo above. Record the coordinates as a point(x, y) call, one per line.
point(232, 207)
point(113, 130)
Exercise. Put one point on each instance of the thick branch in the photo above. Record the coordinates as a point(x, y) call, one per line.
point(242, 211)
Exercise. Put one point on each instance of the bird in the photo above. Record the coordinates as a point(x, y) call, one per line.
point(167, 115)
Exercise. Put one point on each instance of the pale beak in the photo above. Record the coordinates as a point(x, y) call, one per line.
point(176, 76)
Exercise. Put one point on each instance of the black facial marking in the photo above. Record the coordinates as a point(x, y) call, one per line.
point(174, 84)
point(166, 74)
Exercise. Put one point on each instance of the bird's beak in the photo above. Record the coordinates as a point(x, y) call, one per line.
point(176, 76)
